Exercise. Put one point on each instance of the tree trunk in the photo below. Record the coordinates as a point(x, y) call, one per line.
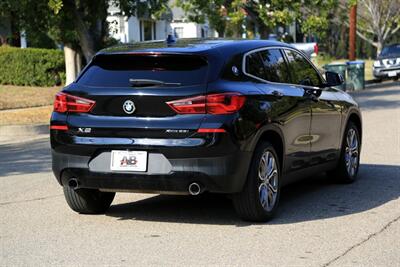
point(379, 46)
point(78, 63)
point(352, 32)
point(71, 70)
point(86, 39)
point(87, 44)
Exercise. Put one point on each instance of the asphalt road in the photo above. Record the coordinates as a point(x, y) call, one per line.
point(319, 223)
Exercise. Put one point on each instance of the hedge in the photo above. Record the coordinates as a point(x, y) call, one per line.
point(31, 66)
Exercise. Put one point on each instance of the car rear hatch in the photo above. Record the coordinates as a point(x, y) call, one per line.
point(131, 94)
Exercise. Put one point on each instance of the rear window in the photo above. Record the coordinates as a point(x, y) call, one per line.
point(118, 70)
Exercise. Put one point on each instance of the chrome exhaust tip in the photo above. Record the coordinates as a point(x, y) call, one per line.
point(73, 183)
point(194, 189)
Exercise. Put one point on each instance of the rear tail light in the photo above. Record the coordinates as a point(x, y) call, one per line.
point(225, 103)
point(69, 103)
point(316, 49)
point(193, 105)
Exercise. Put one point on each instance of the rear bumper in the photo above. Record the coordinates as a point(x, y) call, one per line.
point(222, 174)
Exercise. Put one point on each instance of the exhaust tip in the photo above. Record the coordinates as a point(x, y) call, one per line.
point(194, 189)
point(73, 183)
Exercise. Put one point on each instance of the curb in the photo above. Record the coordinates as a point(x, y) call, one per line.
point(21, 133)
point(23, 130)
point(372, 86)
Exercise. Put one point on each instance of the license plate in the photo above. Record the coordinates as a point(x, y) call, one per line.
point(128, 161)
point(392, 73)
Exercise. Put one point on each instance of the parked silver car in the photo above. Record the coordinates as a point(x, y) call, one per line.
point(387, 65)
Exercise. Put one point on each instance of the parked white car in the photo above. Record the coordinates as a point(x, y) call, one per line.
point(310, 49)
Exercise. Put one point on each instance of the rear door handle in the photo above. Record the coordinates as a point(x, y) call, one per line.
point(312, 94)
point(277, 94)
point(313, 97)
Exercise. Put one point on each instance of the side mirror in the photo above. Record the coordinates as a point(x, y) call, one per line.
point(333, 78)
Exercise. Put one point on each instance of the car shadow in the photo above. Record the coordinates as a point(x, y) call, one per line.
point(312, 199)
point(381, 97)
point(381, 85)
point(25, 158)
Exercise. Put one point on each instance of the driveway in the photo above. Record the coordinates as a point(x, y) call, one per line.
point(318, 224)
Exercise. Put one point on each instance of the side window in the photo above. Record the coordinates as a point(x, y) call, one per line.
point(275, 66)
point(301, 70)
point(254, 65)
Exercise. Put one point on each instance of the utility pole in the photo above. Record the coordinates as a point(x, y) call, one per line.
point(352, 32)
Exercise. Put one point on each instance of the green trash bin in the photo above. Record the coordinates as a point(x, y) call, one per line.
point(338, 68)
point(355, 75)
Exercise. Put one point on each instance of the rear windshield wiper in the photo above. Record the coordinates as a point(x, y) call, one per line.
point(150, 83)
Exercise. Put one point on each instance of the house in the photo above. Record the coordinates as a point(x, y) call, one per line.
point(135, 29)
point(182, 28)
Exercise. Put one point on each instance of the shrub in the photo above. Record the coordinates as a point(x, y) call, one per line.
point(31, 66)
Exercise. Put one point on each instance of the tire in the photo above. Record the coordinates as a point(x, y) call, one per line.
point(258, 202)
point(349, 161)
point(88, 201)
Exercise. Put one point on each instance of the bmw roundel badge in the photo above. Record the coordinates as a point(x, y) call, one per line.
point(129, 107)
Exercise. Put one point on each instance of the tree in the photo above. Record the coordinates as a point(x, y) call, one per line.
point(265, 15)
point(378, 21)
point(79, 25)
point(199, 11)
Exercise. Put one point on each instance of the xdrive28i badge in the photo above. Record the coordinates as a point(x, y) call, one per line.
point(129, 107)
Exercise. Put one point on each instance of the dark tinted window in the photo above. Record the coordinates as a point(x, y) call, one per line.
point(117, 70)
point(275, 67)
point(393, 50)
point(301, 70)
point(254, 65)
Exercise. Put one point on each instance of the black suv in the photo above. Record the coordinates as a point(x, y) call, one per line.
point(236, 117)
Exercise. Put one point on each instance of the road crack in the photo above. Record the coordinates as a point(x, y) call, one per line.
point(362, 242)
point(28, 200)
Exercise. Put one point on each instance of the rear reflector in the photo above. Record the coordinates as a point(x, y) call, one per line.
point(207, 130)
point(225, 103)
point(59, 127)
point(69, 103)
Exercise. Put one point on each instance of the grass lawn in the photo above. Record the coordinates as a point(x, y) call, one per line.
point(38, 115)
point(12, 97)
point(320, 61)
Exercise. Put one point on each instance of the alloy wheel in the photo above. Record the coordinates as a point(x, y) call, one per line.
point(268, 175)
point(351, 152)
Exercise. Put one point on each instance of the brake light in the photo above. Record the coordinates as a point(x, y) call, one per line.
point(69, 103)
point(224, 103)
point(193, 105)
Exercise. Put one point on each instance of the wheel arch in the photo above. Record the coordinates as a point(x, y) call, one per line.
point(355, 117)
point(275, 136)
